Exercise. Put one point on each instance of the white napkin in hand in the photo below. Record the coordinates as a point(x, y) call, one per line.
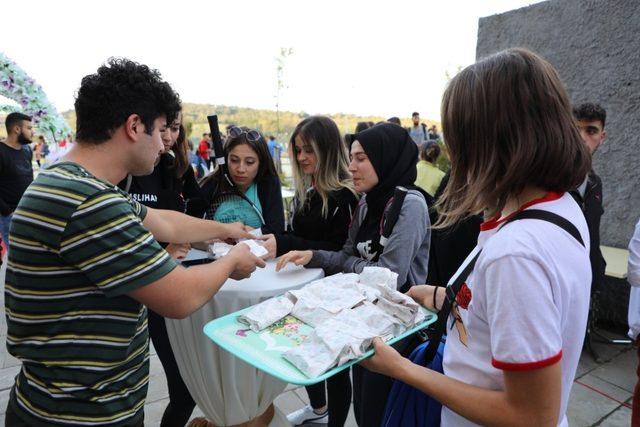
point(256, 248)
point(220, 249)
point(256, 232)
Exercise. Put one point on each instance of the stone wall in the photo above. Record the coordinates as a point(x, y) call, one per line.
point(595, 46)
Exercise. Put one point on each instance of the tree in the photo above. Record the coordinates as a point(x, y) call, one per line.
point(280, 63)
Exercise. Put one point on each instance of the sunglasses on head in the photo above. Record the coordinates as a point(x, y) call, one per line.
point(252, 135)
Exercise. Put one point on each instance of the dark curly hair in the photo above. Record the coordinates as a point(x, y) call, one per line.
point(590, 111)
point(117, 90)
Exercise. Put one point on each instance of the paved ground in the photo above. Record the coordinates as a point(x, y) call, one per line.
point(601, 395)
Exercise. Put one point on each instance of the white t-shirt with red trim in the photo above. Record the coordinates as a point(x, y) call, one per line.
point(525, 304)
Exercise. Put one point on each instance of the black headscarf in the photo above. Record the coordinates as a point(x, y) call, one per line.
point(393, 155)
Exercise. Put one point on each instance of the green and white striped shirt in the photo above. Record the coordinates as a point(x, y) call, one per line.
point(76, 248)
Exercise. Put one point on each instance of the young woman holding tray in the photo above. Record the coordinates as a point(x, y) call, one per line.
point(321, 212)
point(517, 325)
point(382, 157)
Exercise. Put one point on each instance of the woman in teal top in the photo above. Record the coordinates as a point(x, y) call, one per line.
point(252, 171)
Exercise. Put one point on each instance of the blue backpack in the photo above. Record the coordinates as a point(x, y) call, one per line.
point(407, 406)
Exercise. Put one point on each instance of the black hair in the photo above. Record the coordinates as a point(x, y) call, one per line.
point(362, 126)
point(14, 119)
point(430, 152)
point(415, 113)
point(117, 90)
point(394, 120)
point(590, 111)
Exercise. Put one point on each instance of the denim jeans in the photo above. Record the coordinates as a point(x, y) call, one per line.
point(5, 221)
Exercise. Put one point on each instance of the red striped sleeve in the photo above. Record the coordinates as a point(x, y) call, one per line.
point(528, 366)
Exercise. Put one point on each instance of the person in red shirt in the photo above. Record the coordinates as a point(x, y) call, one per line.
point(203, 149)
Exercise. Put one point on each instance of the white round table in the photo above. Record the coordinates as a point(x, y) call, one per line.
point(227, 390)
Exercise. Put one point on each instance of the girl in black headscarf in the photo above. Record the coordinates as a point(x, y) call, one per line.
point(382, 158)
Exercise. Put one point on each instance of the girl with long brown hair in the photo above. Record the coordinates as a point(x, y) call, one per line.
point(252, 172)
point(517, 323)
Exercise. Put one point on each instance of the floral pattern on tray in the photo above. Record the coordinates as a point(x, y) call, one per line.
point(287, 327)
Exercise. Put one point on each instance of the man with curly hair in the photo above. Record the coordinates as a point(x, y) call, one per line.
point(84, 262)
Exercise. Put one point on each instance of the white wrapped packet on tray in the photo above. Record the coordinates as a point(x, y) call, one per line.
point(324, 298)
point(266, 313)
point(334, 342)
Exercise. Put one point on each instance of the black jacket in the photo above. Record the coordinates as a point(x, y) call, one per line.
point(308, 229)
point(591, 205)
point(161, 189)
point(269, 194)
point(450, 246)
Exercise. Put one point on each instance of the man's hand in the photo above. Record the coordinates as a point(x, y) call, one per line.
point(270, 244)
point(296, 257)
point(245, 261)
point(178, 251)
point(235, 231)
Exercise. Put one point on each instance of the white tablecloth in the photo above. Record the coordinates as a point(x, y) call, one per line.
point(227, 390)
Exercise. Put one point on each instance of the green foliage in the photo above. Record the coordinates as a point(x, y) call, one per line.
point(265, 121)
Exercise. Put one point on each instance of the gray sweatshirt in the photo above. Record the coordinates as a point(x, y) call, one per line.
point(406, 251)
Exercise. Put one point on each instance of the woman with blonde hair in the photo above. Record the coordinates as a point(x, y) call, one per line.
point(321, 212)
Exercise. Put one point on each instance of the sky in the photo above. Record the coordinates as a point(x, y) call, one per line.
point(359, 57)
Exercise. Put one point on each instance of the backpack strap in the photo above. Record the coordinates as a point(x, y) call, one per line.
point(458, 279)
point(547, 216)
point(391, 215)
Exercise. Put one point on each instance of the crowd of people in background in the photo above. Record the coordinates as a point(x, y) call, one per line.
point(134, 190)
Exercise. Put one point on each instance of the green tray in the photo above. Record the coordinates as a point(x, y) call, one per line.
point(264, 349)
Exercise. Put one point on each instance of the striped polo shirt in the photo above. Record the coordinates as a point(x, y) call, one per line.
point(76, 248)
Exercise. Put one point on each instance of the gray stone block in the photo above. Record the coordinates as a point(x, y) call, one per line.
point(620, 371)
point(288, 402)
point(605, 387)
point(621, 417)
point(595, 47)
point(586, 407)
